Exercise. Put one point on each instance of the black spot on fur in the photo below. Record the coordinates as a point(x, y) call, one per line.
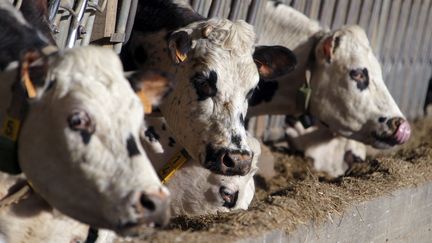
point(242, 120)
point(171, 142)
point(163, 127)
point(264, 92)
point(361, 76)
point(236, 140)
point(151, 134)
point(86, 137)
point(205, 87)
point(131, 146)
point(92, 235)
point(140, 55)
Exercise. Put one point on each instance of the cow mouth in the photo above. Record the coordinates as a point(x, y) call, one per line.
point(386, 141)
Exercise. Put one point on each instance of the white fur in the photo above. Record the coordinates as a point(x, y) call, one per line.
point(194, 189)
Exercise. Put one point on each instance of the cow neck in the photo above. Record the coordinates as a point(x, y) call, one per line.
point(12, 119)
point(21, 90)
point(165, 153)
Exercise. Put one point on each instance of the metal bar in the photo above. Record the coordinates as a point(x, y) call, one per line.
point(214, 8)
point(234, 10)
point(76, 21)
point(121, 25)
point(253, 12)
point(53, 7)
point(131, 20)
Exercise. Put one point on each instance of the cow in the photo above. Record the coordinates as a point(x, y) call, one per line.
point(215, 66)
point(194, 189)
point(338, 81)
point(71, 123)
point(29, 218)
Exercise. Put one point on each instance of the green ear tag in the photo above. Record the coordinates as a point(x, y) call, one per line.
point(303, 96)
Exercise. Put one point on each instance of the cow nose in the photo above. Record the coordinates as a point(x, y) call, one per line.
point(154, 207)
point(401, 128)
point(228, 196)
point(235, 163)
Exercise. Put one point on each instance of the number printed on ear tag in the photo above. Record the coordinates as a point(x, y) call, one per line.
point(10, 128)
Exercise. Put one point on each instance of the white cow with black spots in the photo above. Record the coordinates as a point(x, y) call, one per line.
point(212, 64)
point(347, 91)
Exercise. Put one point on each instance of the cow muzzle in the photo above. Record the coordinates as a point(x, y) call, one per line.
point(398, 132)
point(228, 162)
point(152, 209)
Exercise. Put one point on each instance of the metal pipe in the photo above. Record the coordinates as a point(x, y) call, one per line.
point(52, 10)
point(131, 20)
point(121, 24)
point(76, 21)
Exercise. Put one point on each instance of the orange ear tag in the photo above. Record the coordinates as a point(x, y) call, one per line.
point(180, 56)
point(146, 102)
point(29, 86)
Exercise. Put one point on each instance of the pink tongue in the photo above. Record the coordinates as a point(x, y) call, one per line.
point(403, 132)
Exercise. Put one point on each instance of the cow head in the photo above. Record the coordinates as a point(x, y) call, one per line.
point(349, 94)
point(79, 145)
point(198, 191)
point(215, 71)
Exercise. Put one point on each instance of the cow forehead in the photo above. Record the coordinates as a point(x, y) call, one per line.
point(94, 79)
point(225, 47)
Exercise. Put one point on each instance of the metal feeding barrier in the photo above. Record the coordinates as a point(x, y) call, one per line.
point(400, 32)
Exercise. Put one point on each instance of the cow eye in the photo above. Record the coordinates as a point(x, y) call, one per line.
point(361, 76)
point(79, 121)
point(205, 86)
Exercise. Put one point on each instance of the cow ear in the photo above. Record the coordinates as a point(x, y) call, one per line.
point(274, 61)
point(151, 87)
point(34, 72)
point(179, 44)
point(329, 45)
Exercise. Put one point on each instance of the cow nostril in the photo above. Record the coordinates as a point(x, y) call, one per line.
point(228, 161)
point(394, 123)
point(147, 203)
point(382, 119)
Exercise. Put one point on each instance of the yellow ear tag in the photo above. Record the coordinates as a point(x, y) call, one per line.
point(174, 164)
point(146, 102)
point(180, 56)
point(29, 86)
